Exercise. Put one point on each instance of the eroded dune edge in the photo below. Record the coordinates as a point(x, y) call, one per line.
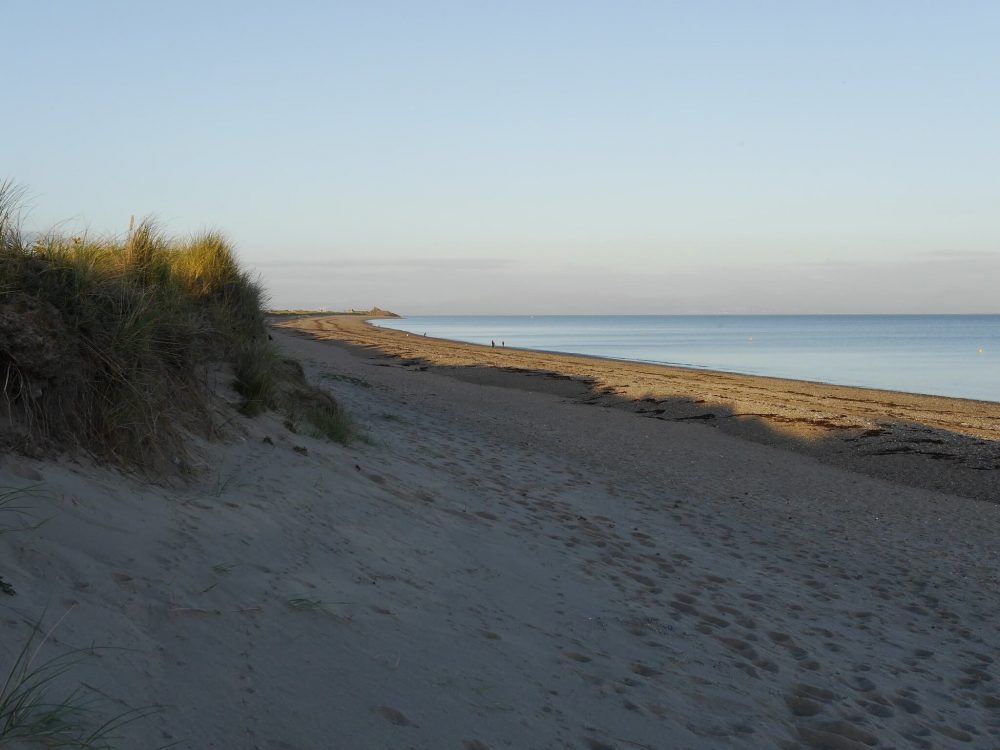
point(502, 563)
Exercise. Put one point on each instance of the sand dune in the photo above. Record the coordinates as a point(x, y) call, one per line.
point(511, 567)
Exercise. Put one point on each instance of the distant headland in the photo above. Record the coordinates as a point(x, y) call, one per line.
point(375, 312)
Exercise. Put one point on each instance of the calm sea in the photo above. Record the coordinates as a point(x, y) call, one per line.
point(947, 355)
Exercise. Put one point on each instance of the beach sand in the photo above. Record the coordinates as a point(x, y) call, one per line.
point(505, 564)
point(947, 444)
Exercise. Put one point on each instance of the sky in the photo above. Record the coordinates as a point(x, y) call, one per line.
point(530, 157)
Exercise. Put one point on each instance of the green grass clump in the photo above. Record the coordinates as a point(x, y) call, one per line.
point(329, 422)
point(256, 378)
point(305, 403)
point(104, 342)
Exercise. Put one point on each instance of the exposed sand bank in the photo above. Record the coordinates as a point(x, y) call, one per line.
point(947, 444)
point(504, 567)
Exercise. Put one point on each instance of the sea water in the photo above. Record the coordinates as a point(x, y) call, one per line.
point(945, 355)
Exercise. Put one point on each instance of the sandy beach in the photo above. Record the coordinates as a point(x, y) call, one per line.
point(713, 561)
point(946, 444)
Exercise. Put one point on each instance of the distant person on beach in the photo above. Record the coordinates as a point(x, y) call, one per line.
point(493, 344)
point(502, 344)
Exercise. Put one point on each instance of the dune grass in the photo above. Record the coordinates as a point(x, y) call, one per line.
point(311, 407)
point(36, 711)
point(39, 706)
point(104, 342)
point(256, 378)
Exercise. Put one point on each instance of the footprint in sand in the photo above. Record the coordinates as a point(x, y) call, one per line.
point(394, 717)
point(643, 670)
point(837, 735)
point(800, 706)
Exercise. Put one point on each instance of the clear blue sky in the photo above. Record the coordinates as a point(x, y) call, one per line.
point(534, 156)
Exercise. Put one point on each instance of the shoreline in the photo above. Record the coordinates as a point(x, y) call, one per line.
point(704, 368)
point(689, 367)
point(934, 442)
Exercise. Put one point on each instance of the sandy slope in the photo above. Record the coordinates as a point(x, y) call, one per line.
point(503, 568)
